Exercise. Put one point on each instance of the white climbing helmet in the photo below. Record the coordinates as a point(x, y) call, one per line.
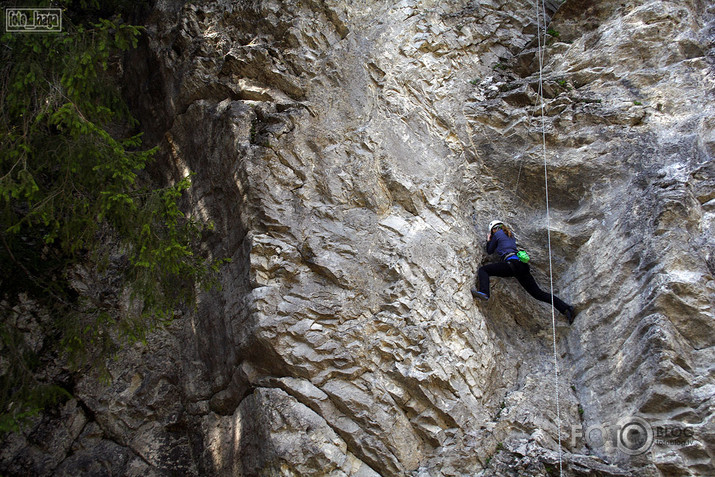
point(494, 223)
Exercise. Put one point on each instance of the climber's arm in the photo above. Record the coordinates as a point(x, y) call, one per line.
point(491, 244)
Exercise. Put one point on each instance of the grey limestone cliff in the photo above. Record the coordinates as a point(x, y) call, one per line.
point(351, 154)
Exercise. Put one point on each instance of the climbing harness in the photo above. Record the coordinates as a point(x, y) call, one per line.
point(548, 216)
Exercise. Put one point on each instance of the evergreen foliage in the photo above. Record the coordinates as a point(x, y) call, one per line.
point(72, 193)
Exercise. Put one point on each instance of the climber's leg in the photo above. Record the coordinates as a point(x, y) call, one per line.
point(500, 269)
point(527, 281)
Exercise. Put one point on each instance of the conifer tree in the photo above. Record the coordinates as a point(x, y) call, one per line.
point(73, 192)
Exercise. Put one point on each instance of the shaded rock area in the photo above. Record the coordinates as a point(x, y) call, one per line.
point(350, 155)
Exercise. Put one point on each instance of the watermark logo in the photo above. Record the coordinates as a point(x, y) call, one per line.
point(33, 20)
point(635, 436)
point(632, 436)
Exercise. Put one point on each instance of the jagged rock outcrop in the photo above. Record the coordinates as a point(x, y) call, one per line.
point(346, 151)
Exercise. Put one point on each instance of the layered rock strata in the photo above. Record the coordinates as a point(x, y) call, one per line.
point(350, 155)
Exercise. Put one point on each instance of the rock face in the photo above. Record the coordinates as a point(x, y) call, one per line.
point(351, 155)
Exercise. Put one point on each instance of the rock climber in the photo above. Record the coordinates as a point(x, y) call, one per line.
point(500, 239)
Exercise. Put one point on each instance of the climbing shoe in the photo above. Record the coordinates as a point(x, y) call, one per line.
point(477, 294)
point(570, 314)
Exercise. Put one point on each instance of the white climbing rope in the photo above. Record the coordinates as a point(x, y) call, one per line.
point(548, 216)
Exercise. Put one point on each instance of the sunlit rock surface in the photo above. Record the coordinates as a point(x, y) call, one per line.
point(350, 155)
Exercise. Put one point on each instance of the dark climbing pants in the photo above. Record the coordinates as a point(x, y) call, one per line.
point(519, 270)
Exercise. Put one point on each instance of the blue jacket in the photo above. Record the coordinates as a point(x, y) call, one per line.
point(502, 244)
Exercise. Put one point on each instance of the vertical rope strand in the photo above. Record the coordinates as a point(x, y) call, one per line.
point(548, 217)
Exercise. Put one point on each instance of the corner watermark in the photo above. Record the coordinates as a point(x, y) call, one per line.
point(631, 436)
point(33, 20)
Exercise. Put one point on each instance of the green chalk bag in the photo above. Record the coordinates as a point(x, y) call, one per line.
point(522, 256)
